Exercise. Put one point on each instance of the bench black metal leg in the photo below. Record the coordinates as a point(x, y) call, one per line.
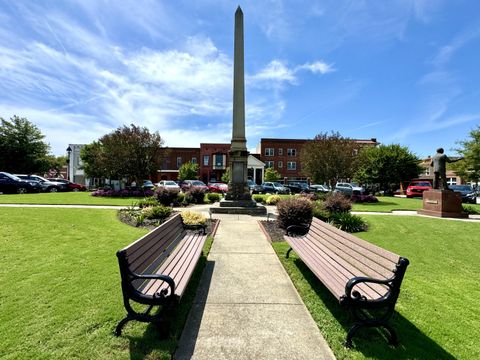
point(351, 333)
point(393, 341)
point(288, 253)
point(121, 324)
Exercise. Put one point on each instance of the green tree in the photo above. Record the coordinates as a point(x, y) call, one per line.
point(272, 175)
point(386, 165)
point(129, 151)
point(22, 147)
point(188, 171)
point(226, 176)
point(469, 168)
point(55, 165)
point(328, 158)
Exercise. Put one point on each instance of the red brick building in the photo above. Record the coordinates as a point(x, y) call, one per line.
point(284, 155)
point(174, 158)
point(214, 161)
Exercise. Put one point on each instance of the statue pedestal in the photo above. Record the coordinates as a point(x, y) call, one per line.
point(442, 203)
point(249, 207)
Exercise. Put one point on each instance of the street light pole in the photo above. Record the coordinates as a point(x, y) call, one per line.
point(69, 151)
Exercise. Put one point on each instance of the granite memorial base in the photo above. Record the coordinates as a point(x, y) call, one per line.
point(442, 203)
point(249, 207)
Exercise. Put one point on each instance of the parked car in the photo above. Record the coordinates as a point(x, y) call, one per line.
point(168, 184)
point(320, 188)
point(468, 194)
point(274, 188)
point(416, 188)
point(218, 187)
point(147, 185)
point(188, 184)
point(71, 186)
point(11, 184)
point(47, 186)
point(254, 188)
point(349, 189)
point(297, 187)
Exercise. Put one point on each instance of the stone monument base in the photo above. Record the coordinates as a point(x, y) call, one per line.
point(442, 203)
point(249, 207)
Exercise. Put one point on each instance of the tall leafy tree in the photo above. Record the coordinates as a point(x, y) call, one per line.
point(469, 168)
point(386, 165)
point(22, 147)
point(129, 151)
point(328, 158)
point(188, 171)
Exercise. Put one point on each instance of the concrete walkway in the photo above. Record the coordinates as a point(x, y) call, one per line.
point(246, 306)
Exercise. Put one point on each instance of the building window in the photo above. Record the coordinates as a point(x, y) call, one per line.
point(179, 162)
point(292, 152)
point(280, 164)
point(206, 160)
point(218, 160)
point(269, 152)
point(269, 164)
point(452, 181)
point(280, 151)
point(291, 165)
point(194, 160)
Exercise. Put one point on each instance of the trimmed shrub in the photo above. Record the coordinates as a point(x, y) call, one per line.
point(294, 211)
point(193, 218)
point(147, 202)
point(259, 198)
point(195, 195)
point(348, 222)
point(309, 196)
point(156, 212)
point(273, 199)
point(337, 203)
point(319, 212)
point(213, 197)
point(180, 198)
point(364, 199)
point(122, 193)
point(471, 209)
point(166, 196)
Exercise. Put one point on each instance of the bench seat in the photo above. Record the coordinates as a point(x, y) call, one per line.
point(360, 275)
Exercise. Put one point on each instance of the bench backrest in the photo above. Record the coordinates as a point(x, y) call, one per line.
point(148, 252)
point(362, 257)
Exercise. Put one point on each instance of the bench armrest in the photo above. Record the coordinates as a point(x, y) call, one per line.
point(301, 229)
point(165, 278)
point(353, 296)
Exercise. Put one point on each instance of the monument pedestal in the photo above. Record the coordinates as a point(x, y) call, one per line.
point(442, 203)
point(249, 207)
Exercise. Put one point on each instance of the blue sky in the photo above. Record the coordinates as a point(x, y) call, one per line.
point(402, 71)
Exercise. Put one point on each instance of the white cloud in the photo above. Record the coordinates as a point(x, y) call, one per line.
point(317, 67)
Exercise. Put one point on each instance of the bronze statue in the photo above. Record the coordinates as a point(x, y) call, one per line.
point(439, 161)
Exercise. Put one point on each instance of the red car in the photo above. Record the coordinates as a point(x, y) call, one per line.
point(218, 187)
point(71, 186)
point(416, 188)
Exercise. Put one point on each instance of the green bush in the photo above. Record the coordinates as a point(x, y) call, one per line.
point(347, 222)
point(166, 196)
point(195, 195)
point(273, 199)
point(471, 209)
point(180, 198)
point(336, 202)
point(147, 202)
point(213, 197)
point(156, 212)
point(319, 212)
point(294, 211)
point(193, 218)
point(259, 198)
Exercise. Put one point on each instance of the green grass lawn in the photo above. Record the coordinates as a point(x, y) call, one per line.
point(438, 313)
point(387, 204)
point(60, 288)
point(65, 198)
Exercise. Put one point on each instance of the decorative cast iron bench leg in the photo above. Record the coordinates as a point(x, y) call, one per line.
point(351, 333)
point(393, 341)
point(121, 324)
point(288, 253)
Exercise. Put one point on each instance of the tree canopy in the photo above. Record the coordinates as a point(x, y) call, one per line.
point(469, 168)
point(272, 175)
point(129, 151)
point(188, 171)
point(386, 165)
point(22, 147)
point(328, 158)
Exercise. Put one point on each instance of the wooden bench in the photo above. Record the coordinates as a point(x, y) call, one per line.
point(156, 269)
point(363, 277)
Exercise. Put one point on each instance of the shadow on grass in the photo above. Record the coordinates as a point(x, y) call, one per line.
point(372, 343)
point(150, 345)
